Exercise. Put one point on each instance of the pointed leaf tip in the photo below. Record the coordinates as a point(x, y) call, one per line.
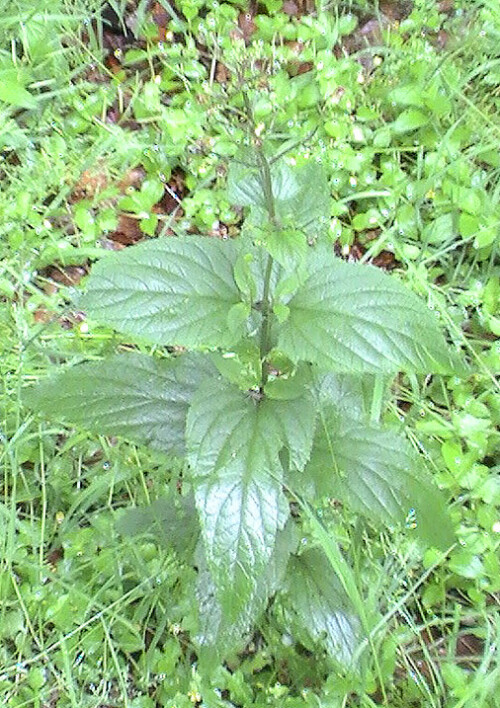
point(136, 396)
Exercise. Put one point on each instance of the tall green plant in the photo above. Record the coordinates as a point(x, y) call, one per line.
point(286, 351)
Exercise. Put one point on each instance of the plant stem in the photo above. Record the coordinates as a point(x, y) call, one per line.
point(266, 320)
point(267, 187)
point(265, 173)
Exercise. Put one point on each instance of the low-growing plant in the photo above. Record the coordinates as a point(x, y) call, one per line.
point(278, 358)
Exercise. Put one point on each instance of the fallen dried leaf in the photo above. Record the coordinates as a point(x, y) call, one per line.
point(127, 232)
point(90, 183)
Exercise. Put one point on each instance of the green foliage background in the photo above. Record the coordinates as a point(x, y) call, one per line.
point(91, 616)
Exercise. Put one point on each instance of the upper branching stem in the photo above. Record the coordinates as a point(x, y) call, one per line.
point(267, 185)
point(266, 320)
point(267, 188)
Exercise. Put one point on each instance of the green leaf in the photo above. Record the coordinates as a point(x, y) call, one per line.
point(217, 634)
point(287, 246)
point(355, 319)
point(132, 395)
point(301, 194)
point(149, 224)
point(15, 94)
point(487, 234)
point(375, 472)
point(322, 605)
point(309, 209)
point(237, 318)
point(233, 444)
point(245, 183)
point(242, 366)
point(440, 230)
point(468, 225)
point(287, 387)
point(346, 24)
point(216, 631)
point(281, 311)
point(152, 191)
point(296, 422)
point(233, 451)
point(243, 275)
point(176, 291)
point(172, 520)
point(409, 95)
point(466, 564)
point(410, 119)
point(350, 394)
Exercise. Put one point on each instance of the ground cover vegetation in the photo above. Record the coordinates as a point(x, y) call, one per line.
point(253, 250)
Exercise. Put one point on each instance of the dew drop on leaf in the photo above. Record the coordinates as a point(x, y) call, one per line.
point(411, 519)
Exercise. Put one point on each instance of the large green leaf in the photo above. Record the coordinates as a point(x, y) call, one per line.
point(309, 209)
point(355, 319)
point(301, 195)
point(176, 291)
point(322, 605)
point(217, 635)
point(233, 449)
point(132, 395)
point(245, 183)
point(377, 474)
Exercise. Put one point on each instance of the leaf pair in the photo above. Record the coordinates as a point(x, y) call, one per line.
point(343, 317)
point(233, 450)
